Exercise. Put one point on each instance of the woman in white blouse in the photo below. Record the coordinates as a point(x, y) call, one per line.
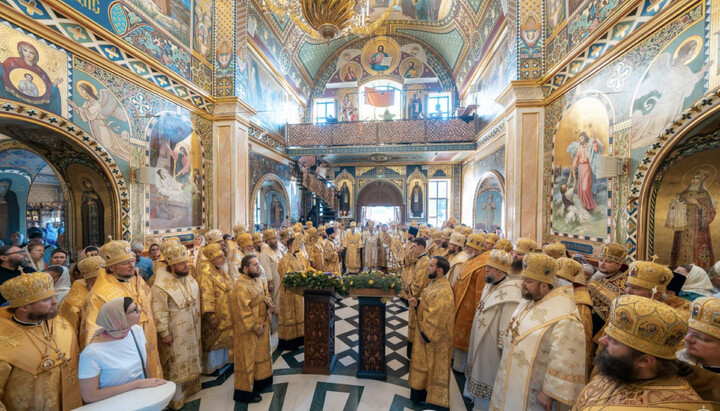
point(114, 361)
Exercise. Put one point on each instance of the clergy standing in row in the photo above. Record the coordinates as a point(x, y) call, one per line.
point(467, 294)
point(418, 281)
point(216, 324)
point(498, 302)
point(543, 360)
point(72, 305)
point(429, 378)
point(607, 284)
point(251, 304)
point(119, 279)
point(702, 348)
point(176, 304)
point(39, 356)
point(456, 256)
point(291, 324)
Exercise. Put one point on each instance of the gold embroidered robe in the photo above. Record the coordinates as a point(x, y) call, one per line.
point(395, 252)
point(250, 300)
point(331, 257)
point(584, 306)
point(291, 324)
point(215, 286)
point(544, 349)
point(419, 281)
point(467, 294)
point(457, 264)
point(352, 246)
point(408, 270)
point(71, 307)
point(497, 305)
point(705, 382)
point(176, 304)
point(270, 261)
point(603, 291)
point(430, 365)
point(673, 393)
point(24, 385)
point(317, 260)
point(107, 288)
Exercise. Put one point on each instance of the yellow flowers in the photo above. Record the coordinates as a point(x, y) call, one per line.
point(351, 283)
point(392, 285)
point(371, 282)
point(303, 275)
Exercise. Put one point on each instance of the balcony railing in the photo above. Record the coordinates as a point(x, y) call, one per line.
point(383, 132)
point(319, 187)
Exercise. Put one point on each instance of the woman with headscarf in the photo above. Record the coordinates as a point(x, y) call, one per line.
point(697, 284)
point(61, 276)
point(114, 361)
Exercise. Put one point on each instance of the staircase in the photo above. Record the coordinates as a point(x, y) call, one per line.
point(319, 186)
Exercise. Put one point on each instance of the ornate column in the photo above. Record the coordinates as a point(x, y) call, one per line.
point(231, 163)
point(524, 165)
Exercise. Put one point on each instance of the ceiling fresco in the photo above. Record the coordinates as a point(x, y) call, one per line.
point(24, 160)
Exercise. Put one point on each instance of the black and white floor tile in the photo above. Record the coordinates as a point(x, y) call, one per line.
point(342, 391)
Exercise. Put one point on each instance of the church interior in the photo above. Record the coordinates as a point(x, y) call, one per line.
point(139, 120)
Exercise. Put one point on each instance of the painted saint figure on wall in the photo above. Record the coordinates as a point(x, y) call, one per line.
point(349, 112)
point(692, 243)
point(416, 201)
point(411, 71)
point(489, 208)
point(584, 168)
point(344, 199)
point(276, 211)
point(350, 75)
point(416, 107)
point(92, 213)
point(24, 80)
point(376, 61)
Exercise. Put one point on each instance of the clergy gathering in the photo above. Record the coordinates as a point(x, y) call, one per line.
point(359, 205)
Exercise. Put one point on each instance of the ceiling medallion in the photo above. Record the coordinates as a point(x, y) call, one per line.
point(329, 19)
point(379, 158)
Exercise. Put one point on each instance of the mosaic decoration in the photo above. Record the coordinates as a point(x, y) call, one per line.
point(490, 20)
point(224, 58)
point(275, 106)
point(492, 162)
point(488, 203)
point(77, 33)
point(560, 46)
point(493, 81)
point(594, 12)
point(530, 39)
point(271, 198)
point(640, 179)
point(267, 138)
point(203, 27)
point(60, 125)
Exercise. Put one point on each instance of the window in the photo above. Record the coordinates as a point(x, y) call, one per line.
point(437, 202)
point(438, 105)
point(390, 110)
point(324, 110)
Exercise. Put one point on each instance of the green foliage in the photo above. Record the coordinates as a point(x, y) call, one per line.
point(373, 279)
point(315, 280)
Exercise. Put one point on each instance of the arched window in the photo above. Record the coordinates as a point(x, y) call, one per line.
point(381, 100)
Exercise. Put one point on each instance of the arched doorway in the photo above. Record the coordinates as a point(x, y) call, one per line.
point(270, 202)
point(380, 193)
point(87, 173)
point(673, 204)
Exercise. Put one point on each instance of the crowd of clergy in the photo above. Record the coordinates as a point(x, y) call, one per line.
point(531, 327)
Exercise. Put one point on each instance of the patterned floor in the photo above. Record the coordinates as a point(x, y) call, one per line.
point(340, 391)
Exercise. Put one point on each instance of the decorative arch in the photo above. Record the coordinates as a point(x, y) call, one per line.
point(484, 185)
point(256, 191)
point(346, 178)
point(36, 127)
point(380, 192)
point(640, 207)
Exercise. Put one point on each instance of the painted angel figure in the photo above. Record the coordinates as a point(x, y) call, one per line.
point(101, 111)
point(585, 153)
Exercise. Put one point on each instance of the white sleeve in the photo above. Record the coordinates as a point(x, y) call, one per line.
point(88, 364)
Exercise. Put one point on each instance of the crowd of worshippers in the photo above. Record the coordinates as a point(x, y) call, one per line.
point(531, 328)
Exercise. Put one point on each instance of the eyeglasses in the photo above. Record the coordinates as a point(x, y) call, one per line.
point(700, 338)
point(16, 252)
point(136, 310)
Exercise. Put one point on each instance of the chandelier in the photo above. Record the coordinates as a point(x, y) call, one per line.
point(329, 19)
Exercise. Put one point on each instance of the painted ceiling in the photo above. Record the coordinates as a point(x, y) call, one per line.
point(448, 32)
point(395, 158)
point(27, 161)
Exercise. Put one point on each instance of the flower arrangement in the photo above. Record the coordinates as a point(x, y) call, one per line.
point(374, 279)
point(315, 280)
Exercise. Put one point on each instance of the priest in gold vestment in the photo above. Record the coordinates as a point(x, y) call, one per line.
point(467, 292)
point(637, 365)
point(456, 256)
point(430, 373)
point(702, 350)
point(572, 271)
point(498, 302)
point(71, 307)
point(352, 245)
point(418, 281)
point(119, 279)
point(607, 284)
point(176, 304)
point(216, 324)
point(251, 302)
point(291, 324)
point(38, 348)
point(331, 253)
point(409, 260)
point(315, 250)
point(543, 360)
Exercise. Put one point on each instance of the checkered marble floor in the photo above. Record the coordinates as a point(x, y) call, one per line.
point(342, 391)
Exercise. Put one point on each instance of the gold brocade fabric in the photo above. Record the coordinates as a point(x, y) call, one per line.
point(419, 281)
point(352, 246)
point(673, 393)
point(467, 292)
point(604, 290)
point(331, 257)
point(430, 365)
point(215, 287)
point(584, 306)
point(407, 273)
point(457, 264)
point(317, 260)
point(250, 300)
point(71, 307)
point(176, 304)
point(107, 288)
point(24, 383)
point(705, 382)
point(291, 322)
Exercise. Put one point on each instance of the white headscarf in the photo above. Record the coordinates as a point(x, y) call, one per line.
point(698, 282)
point(62, 287)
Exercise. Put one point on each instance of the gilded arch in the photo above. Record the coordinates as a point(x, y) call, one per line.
point(256, 191)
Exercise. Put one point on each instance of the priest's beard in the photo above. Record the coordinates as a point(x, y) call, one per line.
point(257, 247)
point(253, 274)
point(33, 317)
point(432, 276)
point(516, 266)
point(444, 245)
point(273, 246)
point(619, 369)
point(181, 273)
